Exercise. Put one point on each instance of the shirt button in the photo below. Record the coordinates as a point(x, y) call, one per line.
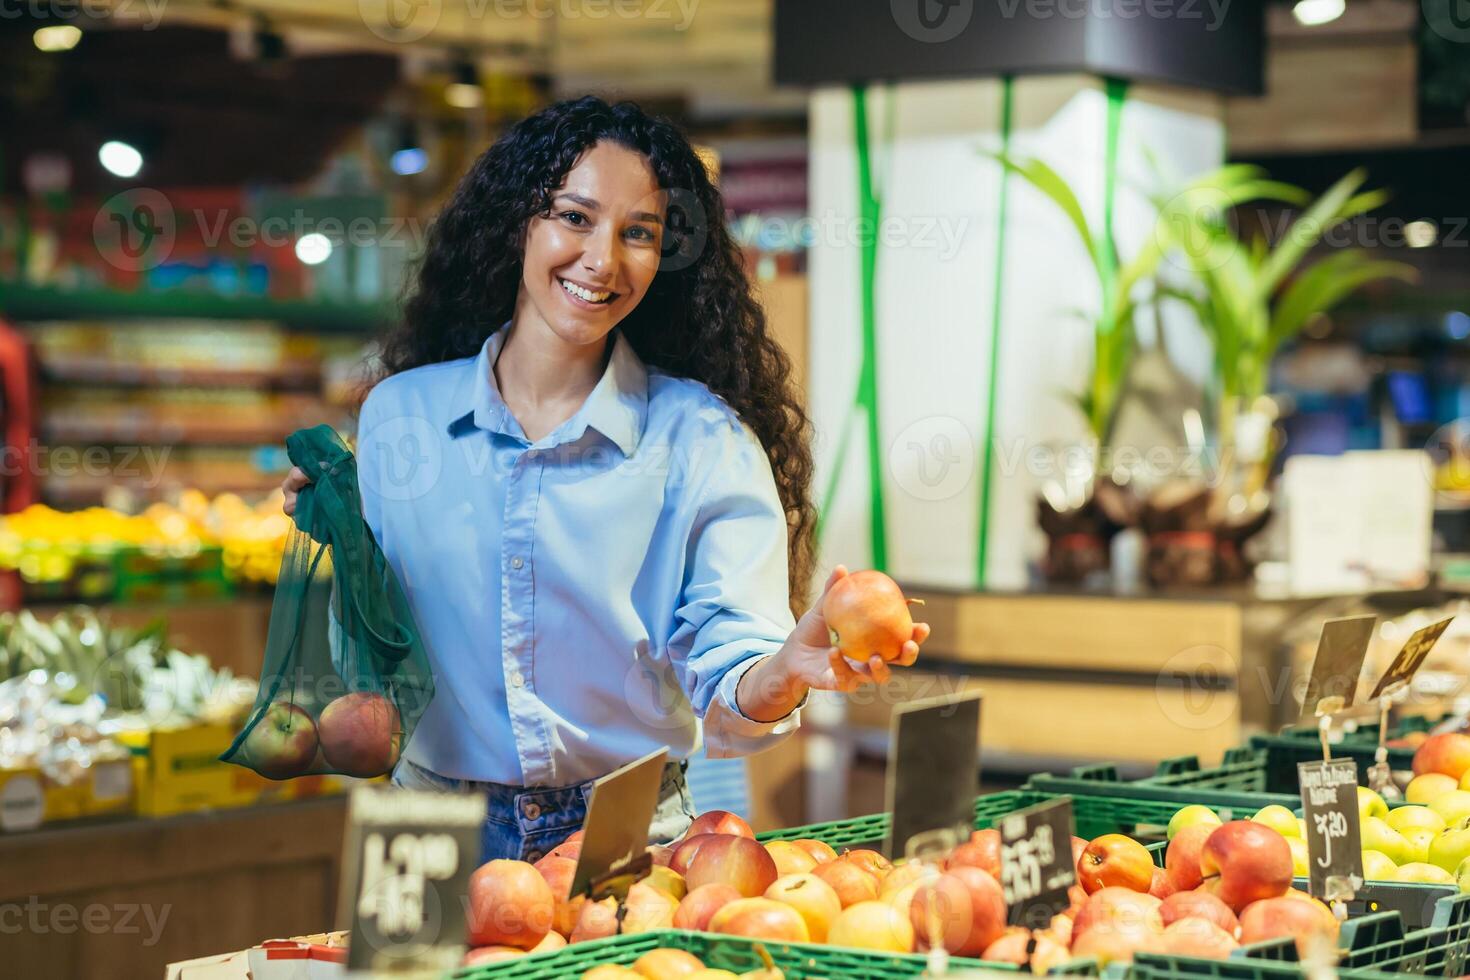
point(516, 680)
point(516, 562)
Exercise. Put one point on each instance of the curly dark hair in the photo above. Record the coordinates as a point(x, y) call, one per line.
point(698, 319)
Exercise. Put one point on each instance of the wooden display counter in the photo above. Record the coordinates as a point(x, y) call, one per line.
point(107, 901)
point(1071, 678)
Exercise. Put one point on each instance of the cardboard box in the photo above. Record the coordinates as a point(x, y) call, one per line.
point(178, 770)
point(283, 959)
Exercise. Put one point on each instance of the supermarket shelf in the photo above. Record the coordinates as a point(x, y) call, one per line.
point(26, 302)
point(103, 434)
point(146, 376)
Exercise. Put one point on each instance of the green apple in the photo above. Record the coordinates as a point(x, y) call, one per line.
point(1378, 866)
point(1193, 814)
point(1454, 806)
point(1425, 874)
point(1407, 818)
point(1370, 804)
point(1462, 875)
point(1418, 845)
point(1300, 860)
point(1450, 849)
point(1278, 818)
point(1379, 836)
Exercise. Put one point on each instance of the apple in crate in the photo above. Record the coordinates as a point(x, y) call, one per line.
point(1243, 862)
point(283, 742)
point(738, 861)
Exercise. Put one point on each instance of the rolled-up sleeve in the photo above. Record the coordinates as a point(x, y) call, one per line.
point(734, 608)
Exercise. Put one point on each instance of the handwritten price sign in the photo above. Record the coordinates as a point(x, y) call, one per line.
point(1330, 806)
point(1036, 867)
point(406, 867)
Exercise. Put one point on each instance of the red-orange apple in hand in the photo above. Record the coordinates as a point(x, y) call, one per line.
point(1116, 860)
point(869, 616)
point(738, 861)
point(1247, 861)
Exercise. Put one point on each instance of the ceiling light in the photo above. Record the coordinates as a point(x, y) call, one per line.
point(120, 159)
point(314, 248)
point(57, 37)
point(1315, 13)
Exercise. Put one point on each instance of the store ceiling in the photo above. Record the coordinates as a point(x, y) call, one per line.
point(713, 54)
point(199, 115)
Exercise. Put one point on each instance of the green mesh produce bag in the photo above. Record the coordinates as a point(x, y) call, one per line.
point(345, 676)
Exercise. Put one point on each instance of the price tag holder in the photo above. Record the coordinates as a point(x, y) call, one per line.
point(1334, 681)
point(1036, 866)
point(1401, 672)
point(405, 873)
point(933, 774)
point(615, 836)
point(1334, 841)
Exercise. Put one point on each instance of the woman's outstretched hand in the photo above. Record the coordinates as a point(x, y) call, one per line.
point(822, 666)
point(292, 485)
point(775, 686)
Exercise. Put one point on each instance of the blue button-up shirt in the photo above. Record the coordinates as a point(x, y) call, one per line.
point(587, 597)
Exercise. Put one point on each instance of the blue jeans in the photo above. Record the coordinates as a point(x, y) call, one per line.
point(526, 822)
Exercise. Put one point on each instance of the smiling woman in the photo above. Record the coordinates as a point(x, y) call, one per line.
point(589, 468)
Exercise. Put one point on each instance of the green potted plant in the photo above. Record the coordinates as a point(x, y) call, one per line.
point(1254, 297)
point(1080, 521)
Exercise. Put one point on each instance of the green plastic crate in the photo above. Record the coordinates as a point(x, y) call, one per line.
point(797, 960)
point(1235, 789)
point(1264, 770)
point(1095, 811)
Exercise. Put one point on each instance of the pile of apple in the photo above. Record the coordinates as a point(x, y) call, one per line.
point(1223, 885)
point(667, 963)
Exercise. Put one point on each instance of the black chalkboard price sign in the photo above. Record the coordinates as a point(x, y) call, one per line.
point(406, 870)
point(1036, 866)
point(1334, 843)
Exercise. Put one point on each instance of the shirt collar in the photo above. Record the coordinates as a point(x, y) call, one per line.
point(617, 406)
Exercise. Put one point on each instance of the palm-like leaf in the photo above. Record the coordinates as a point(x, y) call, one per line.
point(1322, 286)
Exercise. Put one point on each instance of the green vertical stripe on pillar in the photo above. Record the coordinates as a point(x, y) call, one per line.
point(867, 396)
point(1116, 90)
point(987, 443)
